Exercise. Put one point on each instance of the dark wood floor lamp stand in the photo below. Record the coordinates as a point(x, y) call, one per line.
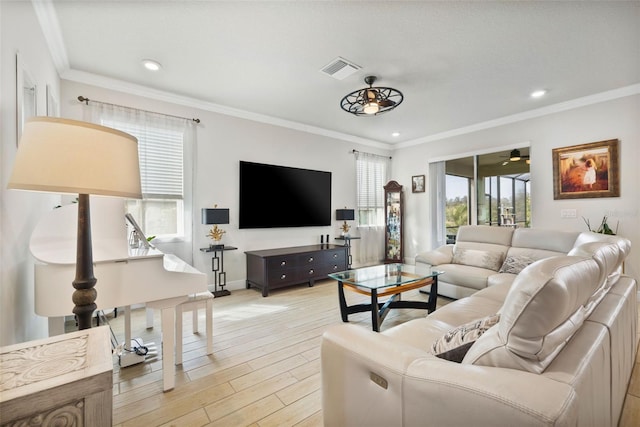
point(85, 294)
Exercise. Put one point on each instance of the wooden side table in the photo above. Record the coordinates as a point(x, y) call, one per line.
point(62, 380)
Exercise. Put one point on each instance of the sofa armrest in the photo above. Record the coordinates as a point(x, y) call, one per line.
point(371, 379)
point(354, 359)
point(441, 255)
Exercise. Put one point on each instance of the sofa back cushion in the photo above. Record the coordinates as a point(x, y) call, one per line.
point(608, 256)
point(546, 305)
point(554, 241)
point(482, 246)
point(485, 234)
point(532, 244)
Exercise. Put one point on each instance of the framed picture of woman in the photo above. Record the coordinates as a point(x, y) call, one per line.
point(587, 170)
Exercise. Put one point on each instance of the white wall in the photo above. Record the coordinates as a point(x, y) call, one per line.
point(222, 142)
point(20, 210)
point(616, 119)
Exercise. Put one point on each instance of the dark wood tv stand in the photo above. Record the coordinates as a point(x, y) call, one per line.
point(276, 268)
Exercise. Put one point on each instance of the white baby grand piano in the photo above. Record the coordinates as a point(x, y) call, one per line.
point(125, 276)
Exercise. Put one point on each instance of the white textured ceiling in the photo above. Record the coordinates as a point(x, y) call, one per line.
point(459, 64)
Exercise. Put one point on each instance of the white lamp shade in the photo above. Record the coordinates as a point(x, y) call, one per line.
point(70, 156)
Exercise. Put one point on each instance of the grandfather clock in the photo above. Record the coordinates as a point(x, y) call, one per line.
point(394, 206)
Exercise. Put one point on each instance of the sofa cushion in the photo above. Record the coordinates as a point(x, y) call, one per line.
point(545, 306)
point(455, 343)
point(465, 275)
point(467, 310)
point(557, 241)
point(418, 333)
point(485, 234)
point(441, 255)
point(514, 264)
point(500, 279)
point(491, 260)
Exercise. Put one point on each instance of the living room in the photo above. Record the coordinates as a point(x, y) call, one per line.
point(227, 137)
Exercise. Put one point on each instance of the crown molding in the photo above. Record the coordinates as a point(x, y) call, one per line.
point(50, 26)
point(143, 91)
point(538, 112)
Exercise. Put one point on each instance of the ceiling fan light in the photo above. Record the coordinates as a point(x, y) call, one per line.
point(371, 108)
point(515, 155)
point(371, 100)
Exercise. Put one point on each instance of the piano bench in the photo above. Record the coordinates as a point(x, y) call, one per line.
point(195, 301)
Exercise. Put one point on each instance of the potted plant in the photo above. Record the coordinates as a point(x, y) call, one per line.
point(603, 228)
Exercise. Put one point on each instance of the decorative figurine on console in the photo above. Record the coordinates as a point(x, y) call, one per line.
point(345, 215)
point(214, 217)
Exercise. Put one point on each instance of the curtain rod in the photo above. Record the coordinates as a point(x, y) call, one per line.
point(86, 101)
point(371, 154)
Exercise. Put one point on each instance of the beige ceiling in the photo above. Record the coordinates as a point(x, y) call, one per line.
point(460, 65)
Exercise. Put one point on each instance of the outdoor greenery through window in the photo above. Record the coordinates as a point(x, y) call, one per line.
point(487, 189)
point(458, 189)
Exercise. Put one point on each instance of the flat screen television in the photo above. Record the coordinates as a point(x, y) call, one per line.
point(279, 196)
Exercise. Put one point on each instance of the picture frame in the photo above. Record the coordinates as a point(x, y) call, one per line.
point(417, 184)
point(26, 96)
point(52, 103)
point(586, 170)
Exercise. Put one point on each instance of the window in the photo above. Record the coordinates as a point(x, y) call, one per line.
point(458, 189)
point(499, 192)
point(371, 176)
point(160, 212)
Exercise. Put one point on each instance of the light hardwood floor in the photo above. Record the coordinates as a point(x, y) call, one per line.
point(265, 370)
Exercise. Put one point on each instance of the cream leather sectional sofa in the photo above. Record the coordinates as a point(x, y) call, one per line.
point(485, 256)
point(561, 353)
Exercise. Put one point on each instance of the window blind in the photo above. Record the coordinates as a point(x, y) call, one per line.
point(371, 175)
point(160, 152)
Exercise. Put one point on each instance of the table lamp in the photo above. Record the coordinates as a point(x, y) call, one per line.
point(345, 215)
point(214, 217)
point(69, 156)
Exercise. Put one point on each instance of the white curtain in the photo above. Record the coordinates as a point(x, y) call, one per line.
point(163, 176)
point(371, 176)
point(437, 182)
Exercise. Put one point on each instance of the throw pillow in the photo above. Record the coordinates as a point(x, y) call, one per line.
point(515, 264)
point(478, 258)
point(454, 344)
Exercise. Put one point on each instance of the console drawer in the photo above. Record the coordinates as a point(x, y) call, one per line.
point(336, 257)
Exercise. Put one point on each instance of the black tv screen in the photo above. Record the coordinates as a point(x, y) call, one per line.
point(278, 196)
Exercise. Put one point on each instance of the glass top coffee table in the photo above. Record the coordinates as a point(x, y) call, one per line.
point(381, 281)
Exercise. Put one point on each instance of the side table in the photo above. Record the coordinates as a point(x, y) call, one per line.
point(58, 381)
point(347, 243)
point(217, 266)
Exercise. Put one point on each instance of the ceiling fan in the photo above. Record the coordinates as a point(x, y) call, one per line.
point(371, 100)
point(515, 156)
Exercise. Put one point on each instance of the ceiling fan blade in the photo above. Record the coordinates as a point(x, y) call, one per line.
point(387, 103)
point(371, 94)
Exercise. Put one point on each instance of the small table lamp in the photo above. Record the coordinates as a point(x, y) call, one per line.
point(214, 217)
point(345, 215)
point(68, 156)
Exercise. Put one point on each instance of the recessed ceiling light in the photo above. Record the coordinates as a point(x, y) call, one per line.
point(151, 65)
point(538, 93)
point(395, 134)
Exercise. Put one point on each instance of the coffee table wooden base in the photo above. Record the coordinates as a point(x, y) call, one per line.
point(379, 310)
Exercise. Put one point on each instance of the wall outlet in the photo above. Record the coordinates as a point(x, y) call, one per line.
point(568, 213)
